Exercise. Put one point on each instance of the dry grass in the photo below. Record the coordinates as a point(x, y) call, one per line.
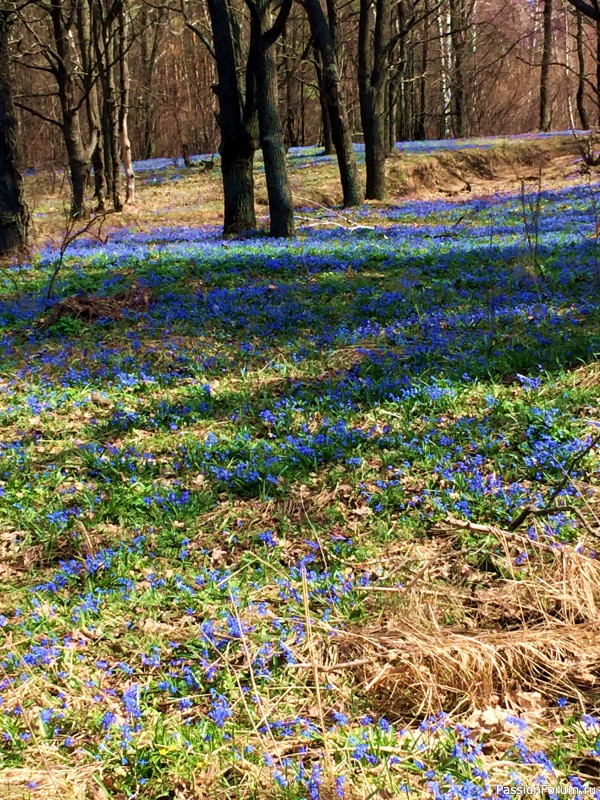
point(468, 646)
point(196, 197)
point(52, 782)
point(89, 309)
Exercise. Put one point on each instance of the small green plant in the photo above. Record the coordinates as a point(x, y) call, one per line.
point(531, 210)
point(67, 326)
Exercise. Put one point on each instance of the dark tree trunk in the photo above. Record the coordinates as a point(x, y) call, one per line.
point(14, 215)
point(79, 163)
point(331, 92)
point(391, 113)
point(262, 60)
point(237, 161)
point(107, 49)
point(598, 70)
point(545, 109)
point(372, 74)
point(325, 121)
point(237, 124)
point(79, 157)
point(580, 98)
point(291, 125)
point(84, 26)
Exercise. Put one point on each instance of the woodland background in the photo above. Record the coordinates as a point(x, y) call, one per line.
point(462, 68)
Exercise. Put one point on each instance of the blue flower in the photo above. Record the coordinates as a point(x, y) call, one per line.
point(220, 710)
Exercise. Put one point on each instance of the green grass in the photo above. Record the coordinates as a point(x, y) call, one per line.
point(256, 536)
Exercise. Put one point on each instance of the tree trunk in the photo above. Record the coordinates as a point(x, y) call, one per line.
point(237, 124)
point(124, 82)
point(281, 210)
point(458, 24)
point(79, 157)
point(325, 121)
point(545, 106)
point(14, 215)
point(580, 98)
point(331, 92)
point(150, 37)
point(84, 26)
point(372, 73)
point(598, 70)
point(422, 116)
point(443, 22)
point(79, 163)
point(291, 127)
point(108, 57)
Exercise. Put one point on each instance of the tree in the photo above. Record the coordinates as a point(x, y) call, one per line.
point(237, 119)
point(580, 98)
point(590, 10)
point(334, 103)
point(545, 107)
point(459, 24)
point(14, 215)
point(62, 63)
point(373, 49)
point(90, 87)
point(261, 62)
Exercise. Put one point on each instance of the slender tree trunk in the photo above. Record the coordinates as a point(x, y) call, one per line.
point(331, 91)
point(14, 215)
point(84, 26)
point(392, 113)
point(107, 51)
point(445, 83)
point(422, 116)
point(545, 106)
point(150, 37)
point(291, 127)
point(325, 121)
point(79, 157)
point(125, 82)
point(580, 98)
point(372, 75)
point(281, 209)
point(458, 23)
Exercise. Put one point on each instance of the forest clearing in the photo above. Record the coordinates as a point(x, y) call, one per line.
point(312, 517)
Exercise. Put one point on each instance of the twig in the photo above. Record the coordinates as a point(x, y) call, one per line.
point(349, 224)
point(71, 234)
point(316, 667)
point(333, 667)
point(576, 460)
point(548, 508)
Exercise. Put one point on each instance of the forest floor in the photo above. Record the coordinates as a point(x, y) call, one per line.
point(313, 518)
point(456, 169)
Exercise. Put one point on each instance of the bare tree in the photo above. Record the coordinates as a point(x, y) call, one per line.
point(237, 118)
point(373, 50)
point(545, 106)
point(334, 103)
point(14, 215)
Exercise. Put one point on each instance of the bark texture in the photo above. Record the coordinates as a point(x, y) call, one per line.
point(14, 215)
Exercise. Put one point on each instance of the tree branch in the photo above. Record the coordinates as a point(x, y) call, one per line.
point(38, 114)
